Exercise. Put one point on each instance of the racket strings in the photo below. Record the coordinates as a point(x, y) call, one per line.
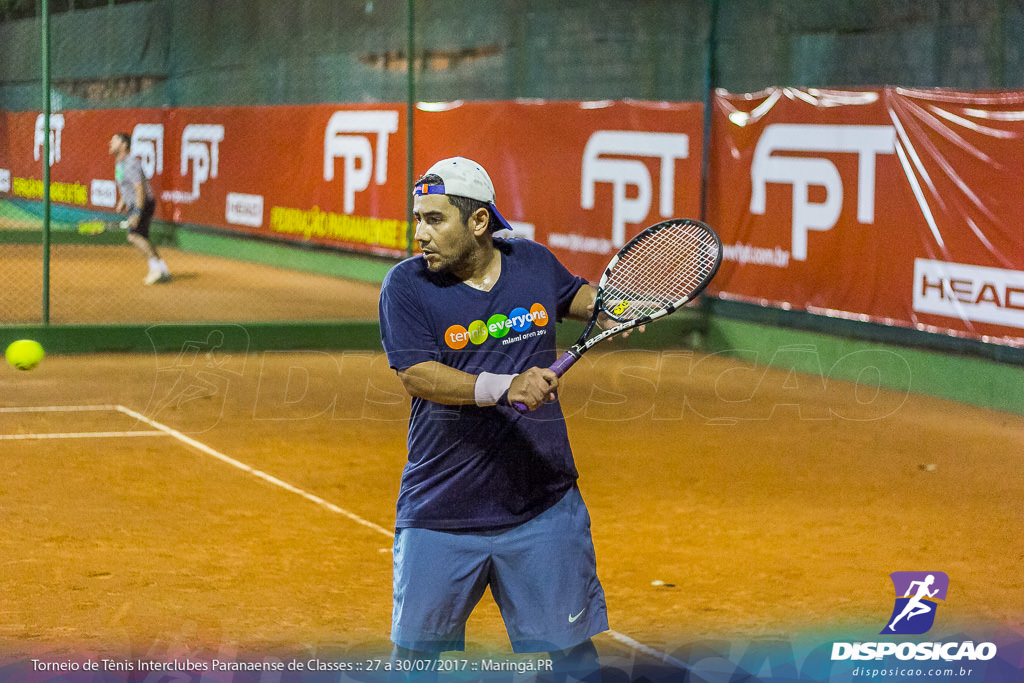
point(660, 270)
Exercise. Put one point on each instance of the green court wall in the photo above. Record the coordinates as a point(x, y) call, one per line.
point(966, 379)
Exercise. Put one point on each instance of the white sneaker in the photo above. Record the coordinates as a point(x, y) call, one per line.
point(156, 278)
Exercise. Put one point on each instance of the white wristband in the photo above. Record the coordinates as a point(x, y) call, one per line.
point(490, 388)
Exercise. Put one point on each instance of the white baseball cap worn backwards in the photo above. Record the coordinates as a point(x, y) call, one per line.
point(464, 178)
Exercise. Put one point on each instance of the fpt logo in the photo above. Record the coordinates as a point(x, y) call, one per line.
point(805, 172)
point(610, 156)
point(348, 137)
point(148, 146)
point(498, 326)
point(200, 152)
point(39, 139)
point(917, 594)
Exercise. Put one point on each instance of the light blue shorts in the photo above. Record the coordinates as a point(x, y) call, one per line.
point(542, 573)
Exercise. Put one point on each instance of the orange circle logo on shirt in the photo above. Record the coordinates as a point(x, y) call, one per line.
point(539, 315)
point(456, 336)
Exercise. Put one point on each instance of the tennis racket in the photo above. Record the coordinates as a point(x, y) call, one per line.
point(98, 227)
point(656, 273)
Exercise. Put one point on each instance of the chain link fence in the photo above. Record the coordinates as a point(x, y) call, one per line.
point(115, 65)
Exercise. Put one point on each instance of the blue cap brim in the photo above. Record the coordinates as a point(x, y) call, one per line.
point(504, 224)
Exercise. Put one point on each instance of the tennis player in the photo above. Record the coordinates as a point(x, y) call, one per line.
point(488, 496)
point(136, 197)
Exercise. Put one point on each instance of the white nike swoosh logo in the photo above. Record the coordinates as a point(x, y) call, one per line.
point(572, 619)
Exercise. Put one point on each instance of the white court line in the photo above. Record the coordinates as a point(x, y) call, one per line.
point(76, 435)
point(57, 409)
point(165, 430)
point(255, 472)
point(649, 651)
point(68, 435)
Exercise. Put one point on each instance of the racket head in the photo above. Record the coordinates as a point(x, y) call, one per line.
point(92, 227)
point(662, 268)
point(655, 273)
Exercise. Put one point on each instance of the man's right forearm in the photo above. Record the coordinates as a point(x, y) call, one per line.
point(439, 383)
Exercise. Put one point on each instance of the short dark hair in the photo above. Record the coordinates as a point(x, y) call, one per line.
point(466, 206)
point(125, 138)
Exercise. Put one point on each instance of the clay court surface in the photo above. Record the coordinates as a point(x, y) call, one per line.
point(240, 503)
point(103, 284)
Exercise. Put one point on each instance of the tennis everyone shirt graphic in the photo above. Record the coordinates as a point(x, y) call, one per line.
point(498, 326)
point(472, 467)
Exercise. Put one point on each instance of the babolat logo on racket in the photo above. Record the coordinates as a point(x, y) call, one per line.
point(498, 326)
point(917, 594)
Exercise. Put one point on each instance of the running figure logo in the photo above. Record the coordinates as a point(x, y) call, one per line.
point(916, 595)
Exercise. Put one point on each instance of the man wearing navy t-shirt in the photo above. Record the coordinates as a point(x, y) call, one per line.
point(488, 496)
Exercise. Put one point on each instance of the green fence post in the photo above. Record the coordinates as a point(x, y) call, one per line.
point(410, 110)
point(710, 83)
point(46, 159)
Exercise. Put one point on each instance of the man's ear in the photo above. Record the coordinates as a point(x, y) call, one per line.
point(480, 222)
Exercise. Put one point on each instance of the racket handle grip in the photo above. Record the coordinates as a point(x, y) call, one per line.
point(563, 364)
point(560, 367)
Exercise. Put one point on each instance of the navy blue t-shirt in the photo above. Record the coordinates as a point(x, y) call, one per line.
point(471, 467)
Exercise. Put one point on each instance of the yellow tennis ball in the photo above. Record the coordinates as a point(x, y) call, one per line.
point(24, 354)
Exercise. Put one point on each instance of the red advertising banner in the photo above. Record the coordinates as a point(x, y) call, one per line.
point(582, 177)
point(896, 206)
point(309, 173)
